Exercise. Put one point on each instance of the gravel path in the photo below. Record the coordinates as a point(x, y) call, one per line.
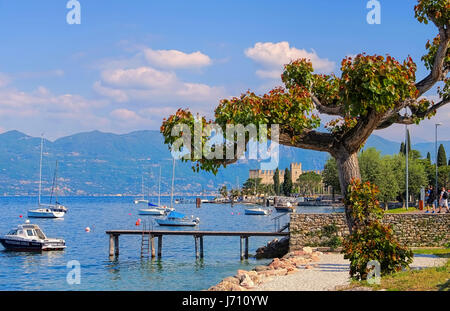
point(332, 271)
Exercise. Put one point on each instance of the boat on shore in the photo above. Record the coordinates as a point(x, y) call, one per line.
point(176, 219)
point(30, 238)
point(257, 211)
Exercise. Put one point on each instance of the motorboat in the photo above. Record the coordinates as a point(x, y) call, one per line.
point(177, 220)
point(30, 238)
point(284, 206)
point(257, 211)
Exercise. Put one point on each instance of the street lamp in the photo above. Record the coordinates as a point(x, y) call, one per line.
point(436, 154)
point(406, 159)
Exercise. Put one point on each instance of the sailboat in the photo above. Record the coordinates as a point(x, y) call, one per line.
point(141, 200)
point(174, 218)
point(46, 210)
point(156, 210)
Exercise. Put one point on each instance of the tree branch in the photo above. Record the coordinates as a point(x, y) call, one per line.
point(438, 71)
point(330, 110)
point(310, 139)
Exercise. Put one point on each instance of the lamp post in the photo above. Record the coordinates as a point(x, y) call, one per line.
point(436, 154)
point(406, 159)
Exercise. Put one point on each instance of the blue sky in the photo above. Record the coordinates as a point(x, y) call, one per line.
point(130, 63)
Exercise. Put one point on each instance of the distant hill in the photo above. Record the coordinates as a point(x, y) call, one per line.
point(105, 163)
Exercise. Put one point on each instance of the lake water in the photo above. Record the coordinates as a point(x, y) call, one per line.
point(177, 270)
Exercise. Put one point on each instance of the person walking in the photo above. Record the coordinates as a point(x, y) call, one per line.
point(443, 200)
point(429, 199)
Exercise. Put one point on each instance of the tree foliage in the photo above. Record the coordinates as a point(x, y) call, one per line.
point(308, 182)
point(441, 156)
point(287, 182)
point(276, 181)
point(371, 239)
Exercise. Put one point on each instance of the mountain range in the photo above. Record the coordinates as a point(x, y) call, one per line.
point(97, 163)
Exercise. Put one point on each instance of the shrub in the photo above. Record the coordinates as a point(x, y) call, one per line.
point(370, 239)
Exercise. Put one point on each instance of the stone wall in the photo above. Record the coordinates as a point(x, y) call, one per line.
point(414, 230)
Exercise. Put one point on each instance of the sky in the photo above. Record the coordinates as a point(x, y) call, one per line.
point(129, 64)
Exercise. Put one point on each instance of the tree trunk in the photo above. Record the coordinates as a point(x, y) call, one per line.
point(348, 168)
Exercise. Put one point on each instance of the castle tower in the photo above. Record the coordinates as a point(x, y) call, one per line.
point(296, 171)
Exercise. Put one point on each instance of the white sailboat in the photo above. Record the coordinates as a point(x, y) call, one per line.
point(141, 200)
point(46, 210)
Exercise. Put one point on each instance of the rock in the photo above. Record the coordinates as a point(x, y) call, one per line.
point(226, 286)
point(261, 268)
point(247, 282)
point(307, 250)
point(275, 248)
point(231, 279)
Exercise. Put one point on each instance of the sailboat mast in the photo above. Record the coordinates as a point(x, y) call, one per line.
point(159, 187)
point(173, 179)
point(40, 171)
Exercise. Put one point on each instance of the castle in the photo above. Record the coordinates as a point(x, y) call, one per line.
point(267, 176)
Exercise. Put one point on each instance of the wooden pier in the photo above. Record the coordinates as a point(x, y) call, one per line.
point(198, 239)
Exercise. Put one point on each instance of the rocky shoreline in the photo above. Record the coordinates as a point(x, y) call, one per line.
point(290, 263)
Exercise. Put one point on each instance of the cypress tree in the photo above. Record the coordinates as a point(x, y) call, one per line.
point(402, 148)
point(442, 157)
point(287, 183)
point(276, 182)
point(429, 157)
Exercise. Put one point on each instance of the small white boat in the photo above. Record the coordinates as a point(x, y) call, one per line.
point(284, 206)
point(178, 220)
point(30, 237)
point(45, 213)
point(152, 211)
point(257, 211)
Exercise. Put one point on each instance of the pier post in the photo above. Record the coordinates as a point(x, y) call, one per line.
point(152, 242)
point(111, 245)
point(201, 247)
point(246, 247)
point(242, 248)
point(116, 245)
point(159, 246)
point(196, 247)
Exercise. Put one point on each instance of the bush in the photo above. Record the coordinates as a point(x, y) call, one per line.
point(370, 239)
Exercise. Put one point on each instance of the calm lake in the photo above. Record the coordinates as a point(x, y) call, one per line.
point(177, 270)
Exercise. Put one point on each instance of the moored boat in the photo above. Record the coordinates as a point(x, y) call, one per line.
point(284, 206)
point(43, 212)
point(177, 220)
point(30, 238)
point(257, 211)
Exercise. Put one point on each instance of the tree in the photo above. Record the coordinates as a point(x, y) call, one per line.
point(276, 181)
point(444, 176)
point(417, 176)
point(308, 181)
point(442, 157)
point(252, 186)
point(370, 94)
point(330, 176)
point(223, 191)
point(287, 183)
point(429, 157)
point(402, 148)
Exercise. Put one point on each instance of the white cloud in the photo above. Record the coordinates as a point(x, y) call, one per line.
point(148, 84)
point(174, 59)
point(272, 56)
